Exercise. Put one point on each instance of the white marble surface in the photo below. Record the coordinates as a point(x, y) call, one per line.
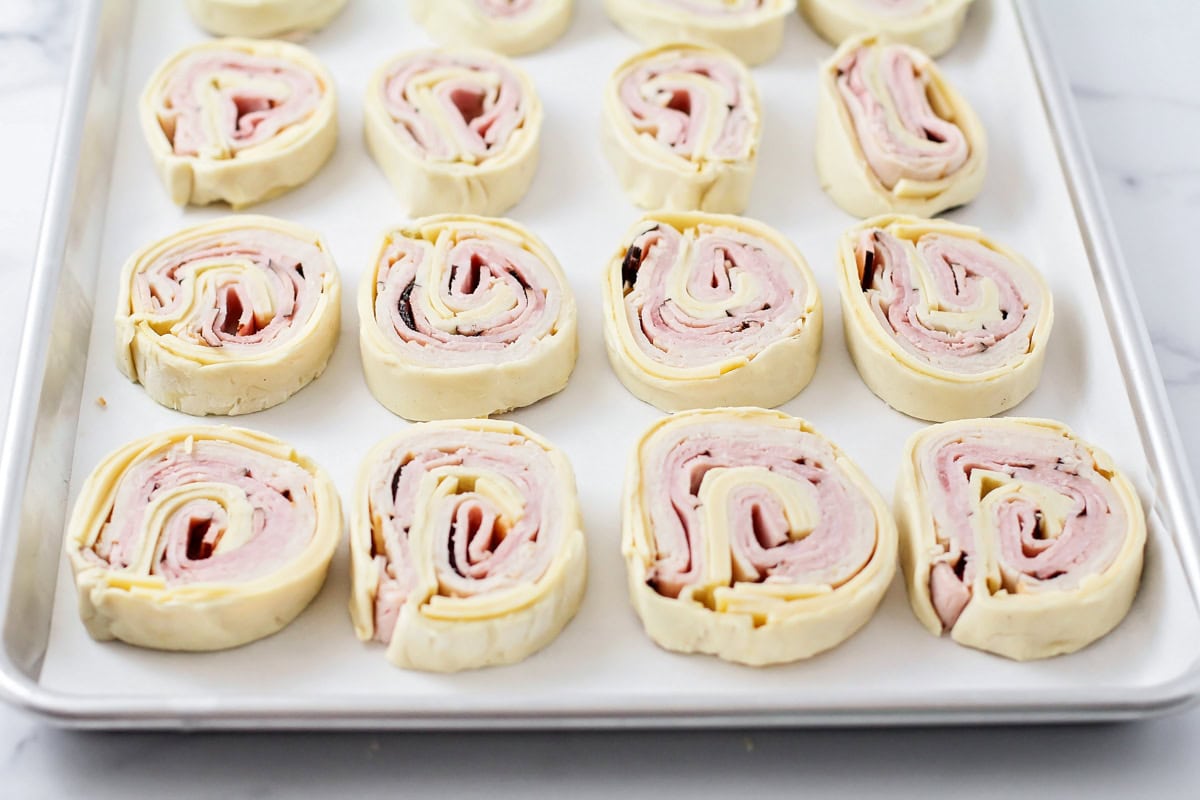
point(1132, 68)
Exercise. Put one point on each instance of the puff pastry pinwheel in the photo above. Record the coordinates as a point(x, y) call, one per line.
point(932, 26)
point(704, 310)
point(228, 317)
point(467, 548)
point(750, 29)
point(1016, 536)
point(465, 316)
point(893, 135)
point(238, 120)
point(750, 536)
point(512, 27)
point(454, 130)
point(201, 538)
point(942, 322)
point(263, 18)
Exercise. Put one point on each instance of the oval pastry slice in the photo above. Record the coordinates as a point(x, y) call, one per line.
point(201, 538)
point(464, 317)
point(238, 120)
point(512, 27)
point(682, 124)
point(893, 135)
point(942, 322)
point(454, 131)
point(750, 29)
point(750, 536)
point(263, 18)
point(229, 317)
point(704, 310)
point(932, 26)
point(467, 548)
point(1016, 536)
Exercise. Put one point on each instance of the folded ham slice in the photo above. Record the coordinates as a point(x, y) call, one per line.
point(932, 26)
point(264, 18)
point(750, 29)
point(512, 27)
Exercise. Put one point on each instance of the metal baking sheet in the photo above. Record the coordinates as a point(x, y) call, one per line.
point(105, 201)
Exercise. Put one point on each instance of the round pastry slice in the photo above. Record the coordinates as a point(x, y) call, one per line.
point(263, 18)
point(512, 27)
point(238, 120)
point(229, 317)
point(1016, 536)
point(893, 135)
point(681, 127)
point(201, 538)
point(942, 322)
point(750, 536)
point(454, 131)
point(465, 317)
point(467, 546)
point(932, 26)
point(705, 310)
point(750, 29)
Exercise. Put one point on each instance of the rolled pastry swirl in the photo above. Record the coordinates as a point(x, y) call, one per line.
point(682, 124)
point(263, 18)
point(454, 130)
point(201, 538)
point(1016, 536)
point(512, 27)
point(238, 120)
point(467, 546)
point(465, 316)
point(750, 536)
point(932, 26)
point(893, 135)
point(750, 29)
point(704, 310)
point(228, 317)
point(942, 322)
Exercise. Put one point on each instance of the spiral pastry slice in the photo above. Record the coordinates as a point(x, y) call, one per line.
point(1016, 536)
point(750, 536)
point(454, 131)
point(238, 120)
point(201, 538)
point(465, 317)
point(704, 310)
point(932, 26)
point(681, 128)
point(893, 135)
point(512, 27)
point(467, 548)
point(750, 29)
point(942, 322)
point(229, 317)
point(264, 18)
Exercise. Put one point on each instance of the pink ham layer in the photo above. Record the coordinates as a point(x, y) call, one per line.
point(473, 553)
point(943, 149)
point(837, 549)
point(506, 8)
point(280, 492)
point(720, 9)
point(249, 116)
point(719, 259)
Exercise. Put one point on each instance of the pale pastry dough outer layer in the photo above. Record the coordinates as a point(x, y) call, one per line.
point(143, 611)
point(1023, 626)
point(905, 382)
point(801, 630)
point(461, 23)
point(847, 177)
point(768, 378)
point(463, 633)
point(260, 173)
point(934, 31)
point(753, 41)
point(263, 18)
point(202, 380)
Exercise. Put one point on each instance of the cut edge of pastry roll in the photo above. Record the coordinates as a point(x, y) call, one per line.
point(241, 173)
point(698, 600)
point(932, 26)
point(264, 18)
point(754, 35)
point(525, 29)
point(1019, 311)
point(985, 600)
point(429, 612)
point(773, 295)
point(180, 590)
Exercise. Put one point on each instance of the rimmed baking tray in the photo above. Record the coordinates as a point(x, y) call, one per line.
point(1041, 198)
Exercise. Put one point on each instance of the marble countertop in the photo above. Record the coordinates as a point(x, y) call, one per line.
point(1132, 69)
